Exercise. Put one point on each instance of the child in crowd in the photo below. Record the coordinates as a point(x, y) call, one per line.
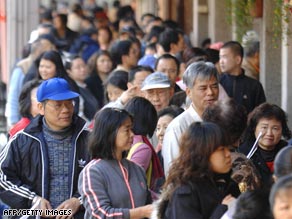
point(115, 85)
point(281, 198)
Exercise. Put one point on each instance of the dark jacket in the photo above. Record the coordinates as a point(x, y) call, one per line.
point(200, 200)
point(85, 47)
point(24, 164)
point(244, 90)
point(259, 162)
point(90, 104)
point(95, 86)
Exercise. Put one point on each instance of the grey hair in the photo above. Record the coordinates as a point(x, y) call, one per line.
point(202, 70)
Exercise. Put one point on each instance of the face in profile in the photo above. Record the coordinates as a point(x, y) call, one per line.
point(220, 160)
point(124, 138)
point(228, 61)
point(282, 208)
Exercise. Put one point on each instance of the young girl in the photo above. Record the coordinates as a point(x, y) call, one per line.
point(115, 85)
point(281, 198)
point(110, 185)
point(199, 183)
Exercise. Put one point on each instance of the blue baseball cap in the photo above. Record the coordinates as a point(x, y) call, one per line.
point(55, 89)
point(156, 80)
point(148, 60)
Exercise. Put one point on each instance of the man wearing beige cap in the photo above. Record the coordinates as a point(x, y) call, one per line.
point(157, 89)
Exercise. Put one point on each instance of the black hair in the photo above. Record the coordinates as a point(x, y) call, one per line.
point(170, 24)
point(125, 11)
point(167, 37)
point(102, 139)
point(24, 99)
point(235, 46)
point(212, 55)
point(172, 111)
point(168, 56)
point(145, 116)
point(206, 42)
point(283, 162)
point(54, 57)
point(118, 79)
point(63, 18)
point(193, 54)
point(69, 60)
point(119, 49)
point(136, 69)
point(253, 205)
point(155, 32)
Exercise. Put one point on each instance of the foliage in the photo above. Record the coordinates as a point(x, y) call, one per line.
point(239, 14)
point(281, 13)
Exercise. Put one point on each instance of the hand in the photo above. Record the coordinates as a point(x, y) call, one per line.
point(228, 200)
point(129, 94)
point(73, 204)
point(43, 205)
point(141, 212)
point(147, 210)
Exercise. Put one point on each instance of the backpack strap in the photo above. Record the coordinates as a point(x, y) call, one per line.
point(149, 169)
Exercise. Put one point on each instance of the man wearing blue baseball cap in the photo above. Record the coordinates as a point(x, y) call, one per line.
point(40, 165)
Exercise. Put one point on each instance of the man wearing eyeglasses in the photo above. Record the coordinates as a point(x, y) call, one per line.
point(40, 166)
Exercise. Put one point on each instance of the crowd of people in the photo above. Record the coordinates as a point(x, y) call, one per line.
point(113, 118)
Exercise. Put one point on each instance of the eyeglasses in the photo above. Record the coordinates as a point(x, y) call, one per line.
point(160, 92)
point(58, 105)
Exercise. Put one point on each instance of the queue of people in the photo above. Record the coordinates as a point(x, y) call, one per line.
point(184, 134)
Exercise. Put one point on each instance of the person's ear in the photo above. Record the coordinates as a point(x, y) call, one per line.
point(238, 60)
point(188, 92)
point(41, 108)
point(129, 85)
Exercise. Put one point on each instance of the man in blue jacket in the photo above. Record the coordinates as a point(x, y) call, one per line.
point(244, 90)
point(41, 164)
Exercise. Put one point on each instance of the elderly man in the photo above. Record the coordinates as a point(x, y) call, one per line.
point(157, 89)
point(201, 79)
point(41, 164)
